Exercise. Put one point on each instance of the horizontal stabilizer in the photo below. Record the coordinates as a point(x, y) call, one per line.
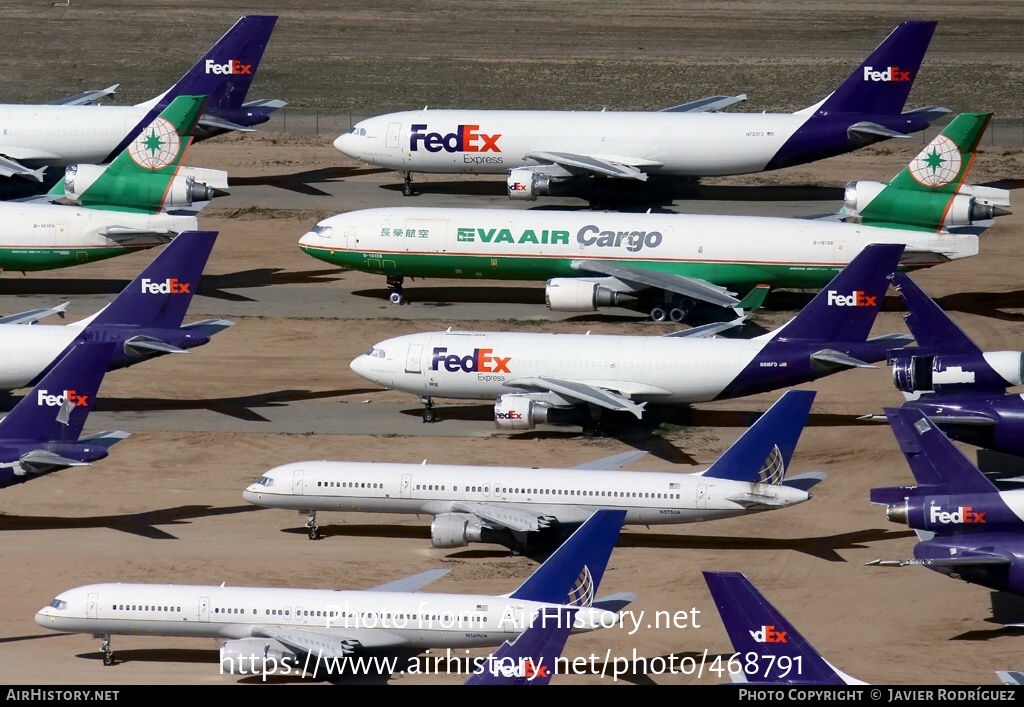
point(34, 315)
point(963, 418)
point(144, 345)
point(12, 168)
point(209, 326)
point(616, 461)
point(87, 97)
point(410, 584)
point(893, 341)
point(867, 129)
point(706, 105)
point(267, 105)
point(40, 460)
point(706, 330)
point(1011, 677)
point(830, 358)
point(755, 298)
point(871, 417)
point(970, 558)
point(615, 602)
point(105, 439)
point(754, 501)
point(805, 481)
point(212, 121)
point(929, 113)
point(890, 495)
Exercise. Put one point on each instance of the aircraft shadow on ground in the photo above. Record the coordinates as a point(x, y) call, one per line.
point(209, 286)
point(468, 294)
point(825, 547)
point(623, 194)
point(143, 524)
point(240, 408)
point(302, 182)
point(994, 305)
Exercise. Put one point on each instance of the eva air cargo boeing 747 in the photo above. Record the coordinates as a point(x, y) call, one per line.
point(666, 263)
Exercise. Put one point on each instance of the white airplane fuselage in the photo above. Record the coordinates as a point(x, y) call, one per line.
point(40, 236)
point(494, 141)
point(27, 350)
point(734, 251)
point(477, 365)
point(568, 495)
point(376, 619)
point(55, 135)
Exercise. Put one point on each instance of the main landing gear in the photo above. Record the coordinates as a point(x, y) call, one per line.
point(397, 295)
point(428, 409)
point(407, 189)
point(311, 526)
point(108, 653)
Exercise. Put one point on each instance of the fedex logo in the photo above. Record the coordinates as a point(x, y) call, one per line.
point(170, 286)
point(480, 361)
point(517, 668)
point(856, 299)
point(45, 398)
point(891, 74)
point(232, 68)
point(769, 634)
point(466, 138)
point(508, 415)
point(964, 515)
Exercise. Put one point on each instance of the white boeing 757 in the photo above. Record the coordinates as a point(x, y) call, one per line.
point(289, 626)
point(537, 148)
point(518, 507)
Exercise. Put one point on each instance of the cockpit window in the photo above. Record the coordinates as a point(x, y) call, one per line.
point(353, 130)
point(376, 353)
point(362, 131)
point(265, 481)
point(323, 231)
point(58, 604)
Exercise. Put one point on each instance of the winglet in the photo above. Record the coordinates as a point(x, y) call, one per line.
point(763, 453)
point(762, 636)
point(573, 572)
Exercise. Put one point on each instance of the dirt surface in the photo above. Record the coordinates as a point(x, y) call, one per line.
point(167, 506)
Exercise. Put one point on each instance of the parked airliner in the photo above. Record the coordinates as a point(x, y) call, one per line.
point(537, 378)
point(511, 505)
point(536, 148)
point(665, 263)
point(70, 131)
point(288, 625)
point(144, 320)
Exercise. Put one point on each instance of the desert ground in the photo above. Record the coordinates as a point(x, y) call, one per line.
point(166, 505)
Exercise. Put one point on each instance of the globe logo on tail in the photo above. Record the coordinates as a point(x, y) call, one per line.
point(773, 471)
point(157, 146)
point(938, 164)
point(582, 591)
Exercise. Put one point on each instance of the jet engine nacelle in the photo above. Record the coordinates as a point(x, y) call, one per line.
point(572, 294)
point(919, 208)
point(518, 411)
point(455, 530)
point(258, 656)
point(990, 370)
point(144, 191)
point(527, 185)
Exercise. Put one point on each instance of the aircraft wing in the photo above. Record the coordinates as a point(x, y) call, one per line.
point(692, 287)
point(507, 516)
point(706, 105)
point(34, 315)
point(329, 642)
point(12, 168)
point(705, 330)
point(86, 98)
point(581, 392)
point(580, 164)
point(410, 584)
point(616, 461)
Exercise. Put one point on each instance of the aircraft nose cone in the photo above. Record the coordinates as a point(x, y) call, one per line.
point(253, 494)
point(361, 366)
point(43, 619)
point(343, 144)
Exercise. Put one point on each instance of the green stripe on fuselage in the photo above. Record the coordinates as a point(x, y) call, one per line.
point(33, 259)
point(740, 276)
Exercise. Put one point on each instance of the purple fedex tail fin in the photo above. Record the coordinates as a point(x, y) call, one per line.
point(529, 659)
point(56, 409)
point(160, 295)
point(765, 640)
point(882, 83)
point(845, 310)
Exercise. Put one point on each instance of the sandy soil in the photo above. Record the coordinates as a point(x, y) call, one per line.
point(166, 507)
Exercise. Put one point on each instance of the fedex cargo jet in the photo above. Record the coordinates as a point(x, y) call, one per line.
point(538, 148)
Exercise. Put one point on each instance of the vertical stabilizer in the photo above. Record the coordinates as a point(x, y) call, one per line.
point(933, 458)
point(529, 659)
